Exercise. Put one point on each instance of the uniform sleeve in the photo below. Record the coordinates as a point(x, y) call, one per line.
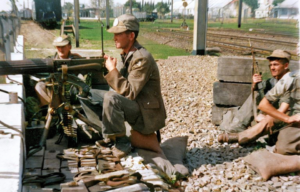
point(285, 98)
point(280, 89)
point(137, 78)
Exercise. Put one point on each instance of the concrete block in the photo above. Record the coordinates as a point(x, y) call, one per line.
point(230, 94)
point(218, 112)
point(239, 69)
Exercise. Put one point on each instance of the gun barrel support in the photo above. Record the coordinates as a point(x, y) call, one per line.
point(33, 66)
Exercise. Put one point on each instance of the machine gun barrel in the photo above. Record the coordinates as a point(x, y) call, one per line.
point(33, 66)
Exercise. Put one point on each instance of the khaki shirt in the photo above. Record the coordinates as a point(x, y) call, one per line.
point(288, 84)
point(267, 85)
point(139, 81)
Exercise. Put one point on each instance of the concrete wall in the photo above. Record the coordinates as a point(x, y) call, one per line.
point(11, 143)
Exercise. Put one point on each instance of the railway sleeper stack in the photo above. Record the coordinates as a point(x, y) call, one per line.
point(234, 83)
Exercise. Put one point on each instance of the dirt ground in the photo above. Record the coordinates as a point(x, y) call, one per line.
point(38, 42)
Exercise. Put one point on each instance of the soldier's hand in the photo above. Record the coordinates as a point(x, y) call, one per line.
point(270, 124)
point(110, 62)
point(260, 117)
point(294, 118)
point(256, 78)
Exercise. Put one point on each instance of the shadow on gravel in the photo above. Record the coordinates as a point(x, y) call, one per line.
point(196, 157)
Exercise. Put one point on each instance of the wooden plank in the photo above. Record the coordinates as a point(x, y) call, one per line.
point(39, 153)
point(64, 164)
point(69, 175)
point(50, 161)
point(239, 69)
point(80, 188)
point(230, 94)
point(32, 172)
point(217, 113)
point(34, 162)
point(51, 164)
point(48, 171)
point(51, 154)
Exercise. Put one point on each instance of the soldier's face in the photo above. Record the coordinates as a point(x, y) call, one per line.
point(64, 51)
point(123, 40)
point(278, 69)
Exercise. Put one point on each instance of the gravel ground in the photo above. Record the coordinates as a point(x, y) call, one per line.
point(187, 90)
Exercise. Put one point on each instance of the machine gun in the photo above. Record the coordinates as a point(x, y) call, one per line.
point(59, 80)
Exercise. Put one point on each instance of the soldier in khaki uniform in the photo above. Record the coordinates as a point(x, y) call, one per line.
point(289, 138)
point(137, 95)
point(63, 46)
point(278, 62)
point(285, 157)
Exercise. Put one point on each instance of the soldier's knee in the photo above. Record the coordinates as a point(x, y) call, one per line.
point(111, 98)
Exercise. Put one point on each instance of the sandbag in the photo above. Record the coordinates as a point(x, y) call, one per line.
point(159, 159)
point(175, 151)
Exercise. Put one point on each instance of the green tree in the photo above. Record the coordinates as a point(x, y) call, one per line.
point(134, 4)
point(253, 4)
point(148, 7)
point(68, 8)
point(162, 8)
point(276, 2)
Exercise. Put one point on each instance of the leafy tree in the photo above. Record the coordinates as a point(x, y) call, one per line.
point(162, 8)
point(276, 2)
point(68, 8)
point(134, 4)
point(148, 7)
point(253, 4)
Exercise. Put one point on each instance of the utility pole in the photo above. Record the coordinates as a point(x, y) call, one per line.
point(172, 11)
point(107, 14)
point(240, 13)
point(130, 7)
point(200, 27)
point(76, 21)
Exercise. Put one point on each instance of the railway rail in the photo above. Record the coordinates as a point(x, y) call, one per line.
point(242, 45)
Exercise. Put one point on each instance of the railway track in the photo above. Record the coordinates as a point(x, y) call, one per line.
point(263, 44)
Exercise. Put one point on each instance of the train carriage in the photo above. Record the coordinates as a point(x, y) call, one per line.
point(47, 12)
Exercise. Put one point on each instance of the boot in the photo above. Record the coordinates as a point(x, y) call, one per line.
point(122, 147)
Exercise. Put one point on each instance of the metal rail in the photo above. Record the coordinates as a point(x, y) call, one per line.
point(240, 47)
point(211, 38)
point(253, 38)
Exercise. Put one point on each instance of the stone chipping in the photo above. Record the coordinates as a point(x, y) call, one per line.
point(187, 89)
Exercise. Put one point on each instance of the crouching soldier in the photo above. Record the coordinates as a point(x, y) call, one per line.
point(136, 96)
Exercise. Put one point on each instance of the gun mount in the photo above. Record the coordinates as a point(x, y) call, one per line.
point(60, 80)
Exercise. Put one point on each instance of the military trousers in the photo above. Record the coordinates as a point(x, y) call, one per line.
point(110, 110)
point(240, 119)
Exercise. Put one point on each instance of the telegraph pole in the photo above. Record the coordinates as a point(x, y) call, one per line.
point(172, 11)
point(130, 7)
point(240, 13)
point(200, 27)
point(76, 22)
point(107, 14)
